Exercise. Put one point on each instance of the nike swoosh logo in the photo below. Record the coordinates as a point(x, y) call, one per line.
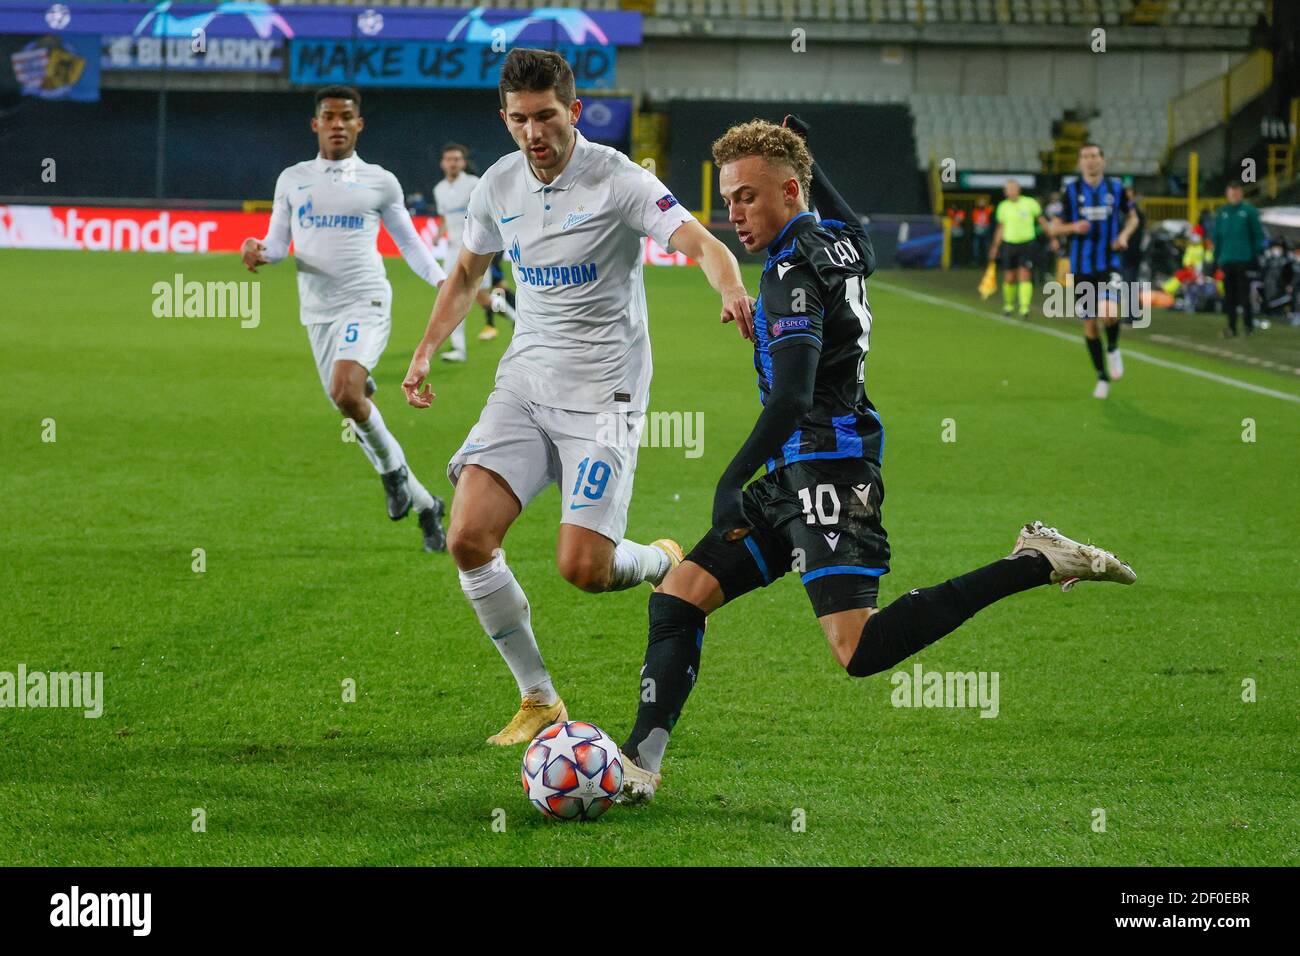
point(504, 634)
point(575, 507)
point(505, 219)
point(783, 268)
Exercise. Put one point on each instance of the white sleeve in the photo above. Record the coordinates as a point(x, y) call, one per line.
point(647, 205)
point(482, 234)
point(278, 233)
point(398, 223)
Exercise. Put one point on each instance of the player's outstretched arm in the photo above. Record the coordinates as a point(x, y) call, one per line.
point(828, 202)
point(794, 373)
point(722, 271)
point(417, 255)
point(275, 245)
point(455, 296)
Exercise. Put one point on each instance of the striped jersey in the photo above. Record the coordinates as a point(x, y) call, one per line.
point(1104, 207)
point(814, 289)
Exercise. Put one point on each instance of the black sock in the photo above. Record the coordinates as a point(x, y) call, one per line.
point(487, 312)
point(1112, 337)
point(1098, 358)
point(672, 664)
point(510, 297)
point(920, 618)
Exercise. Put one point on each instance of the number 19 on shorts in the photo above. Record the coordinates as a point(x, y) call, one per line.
point(593, 476)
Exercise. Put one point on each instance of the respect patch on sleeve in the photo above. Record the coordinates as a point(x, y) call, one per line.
point(796, 323)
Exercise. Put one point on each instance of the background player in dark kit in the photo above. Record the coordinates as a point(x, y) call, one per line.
point(1100, 221)
point(817, 508)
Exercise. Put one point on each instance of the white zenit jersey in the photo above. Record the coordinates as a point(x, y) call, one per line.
point(331, 210)
point(581, 340)
point(452, 199)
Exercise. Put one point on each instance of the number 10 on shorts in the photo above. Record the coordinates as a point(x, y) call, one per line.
point(596, 478)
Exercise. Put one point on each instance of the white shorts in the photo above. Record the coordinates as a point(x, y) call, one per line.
point(358, 336)
point(590, 455)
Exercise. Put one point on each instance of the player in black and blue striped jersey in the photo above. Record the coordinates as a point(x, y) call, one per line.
point(816, 509)
point(1099, 220)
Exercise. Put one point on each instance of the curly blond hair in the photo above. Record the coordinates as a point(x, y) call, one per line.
point(776, 144)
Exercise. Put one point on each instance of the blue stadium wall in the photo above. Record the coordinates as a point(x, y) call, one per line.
point(230, 146)
point(868, 151)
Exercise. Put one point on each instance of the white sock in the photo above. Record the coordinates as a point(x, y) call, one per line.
point(650, 752)
point(366, 448)
point(502, 609)
point(378, 442)
point(421, 500)
point(503, 306)
point(636, 563)
point(458, 338)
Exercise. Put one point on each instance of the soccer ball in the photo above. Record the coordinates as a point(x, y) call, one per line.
point(572, 771)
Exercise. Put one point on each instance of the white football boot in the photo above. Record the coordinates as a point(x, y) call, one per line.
point(639, 785)
point(1102, 390)
point(1116, 363)
point(1071, 561)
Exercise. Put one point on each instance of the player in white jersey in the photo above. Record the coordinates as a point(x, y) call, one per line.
point(330, 208)
point(571, 390)
point(452, 198)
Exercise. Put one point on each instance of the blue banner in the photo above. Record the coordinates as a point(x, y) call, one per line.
point(606, 119)
point(233, 54)
point(541, 26)
point(402, 63)
point(56, 67)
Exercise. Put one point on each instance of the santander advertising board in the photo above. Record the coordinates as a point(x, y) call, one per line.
point(120, 229)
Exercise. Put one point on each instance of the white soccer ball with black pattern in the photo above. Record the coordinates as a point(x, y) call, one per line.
point(572, 771)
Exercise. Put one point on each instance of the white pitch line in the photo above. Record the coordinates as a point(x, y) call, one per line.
point(1057, 333)
point(1223, 353)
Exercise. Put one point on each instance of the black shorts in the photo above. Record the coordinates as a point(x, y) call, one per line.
point(1017, 255)
point(820, 519)
point(498, 274)
point(1091, 288)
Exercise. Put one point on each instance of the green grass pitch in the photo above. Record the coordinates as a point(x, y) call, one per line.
point(223, 688)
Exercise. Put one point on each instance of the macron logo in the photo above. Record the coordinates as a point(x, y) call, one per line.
point(782, 268)
point(103, 909)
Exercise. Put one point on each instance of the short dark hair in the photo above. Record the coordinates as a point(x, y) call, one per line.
point(1233, 184)
point(1100, 152)
point(456, 148)
point(338, 92)
point(536, 71)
